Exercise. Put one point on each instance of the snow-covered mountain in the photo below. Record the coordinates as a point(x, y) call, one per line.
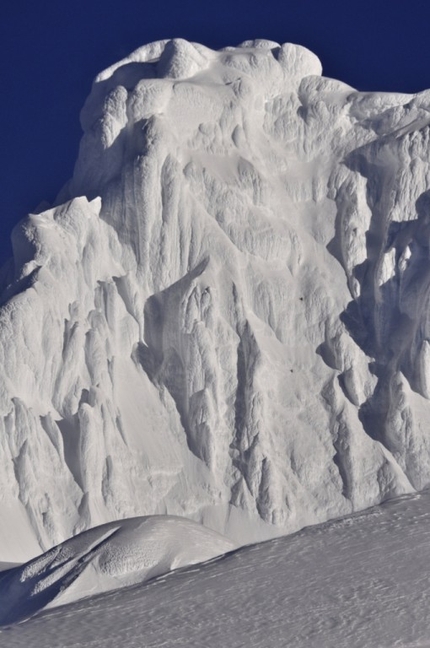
point(225, 317)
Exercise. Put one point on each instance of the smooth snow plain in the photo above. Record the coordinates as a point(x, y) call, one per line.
point(362, 581)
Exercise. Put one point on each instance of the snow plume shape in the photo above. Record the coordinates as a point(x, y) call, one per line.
point(226, 317)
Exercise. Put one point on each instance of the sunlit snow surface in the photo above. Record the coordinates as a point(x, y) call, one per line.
point(226, 316)
point(358, 582)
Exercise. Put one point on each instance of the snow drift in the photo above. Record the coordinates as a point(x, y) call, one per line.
point(226, 315)
point(108, 557)
point(358, 581)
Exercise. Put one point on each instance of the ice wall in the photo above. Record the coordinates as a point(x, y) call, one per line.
point(225, 317)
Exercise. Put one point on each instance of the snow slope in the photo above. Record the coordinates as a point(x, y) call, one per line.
point(226, 315)
point(358, 582)
point(108, 557)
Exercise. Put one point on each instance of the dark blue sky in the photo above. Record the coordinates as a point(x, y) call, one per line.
point(50, 50)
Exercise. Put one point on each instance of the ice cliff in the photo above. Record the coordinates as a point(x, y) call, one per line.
point(226, 316)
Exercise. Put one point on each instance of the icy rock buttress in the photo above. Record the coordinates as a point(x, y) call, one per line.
point(226, 317)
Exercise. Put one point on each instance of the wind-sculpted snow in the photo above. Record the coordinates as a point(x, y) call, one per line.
point(108, 557)
point(356, 582)
point(225, 317)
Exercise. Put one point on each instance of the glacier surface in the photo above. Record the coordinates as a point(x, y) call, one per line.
point(225, 315)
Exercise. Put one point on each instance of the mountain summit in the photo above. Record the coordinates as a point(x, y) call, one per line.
point(226, 315)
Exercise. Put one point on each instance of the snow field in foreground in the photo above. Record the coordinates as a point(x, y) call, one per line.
point(106, 558)
point(357, 582)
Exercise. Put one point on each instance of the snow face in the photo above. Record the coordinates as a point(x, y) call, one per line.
point(226, 315)
point(108, 557)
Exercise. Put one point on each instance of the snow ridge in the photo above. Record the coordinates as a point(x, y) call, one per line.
point(225, 316)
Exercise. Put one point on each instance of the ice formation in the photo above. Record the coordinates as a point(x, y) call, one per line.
point(225, 317)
